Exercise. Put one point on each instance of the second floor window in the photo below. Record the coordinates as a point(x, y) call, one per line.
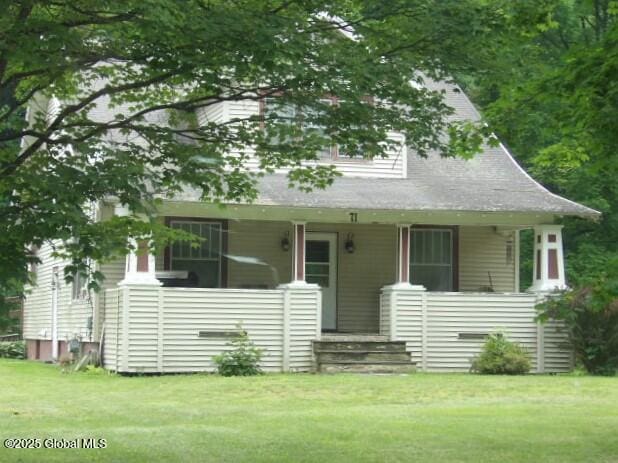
point(274, 110)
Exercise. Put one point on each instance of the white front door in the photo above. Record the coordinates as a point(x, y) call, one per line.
point(321, 269)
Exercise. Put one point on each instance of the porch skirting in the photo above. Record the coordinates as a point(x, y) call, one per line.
point(445, 331)
point(153, 329)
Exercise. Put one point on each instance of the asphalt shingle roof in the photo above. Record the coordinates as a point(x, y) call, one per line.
point(492, 181)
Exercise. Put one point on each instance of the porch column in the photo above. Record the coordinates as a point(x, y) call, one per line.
point(140, 263)
point(299, 253)
point(548, 270)
point(403, 258)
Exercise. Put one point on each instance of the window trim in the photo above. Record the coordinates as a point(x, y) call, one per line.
point(334, 148)
point(223, 264)
point(78, 292)
point(455, 248)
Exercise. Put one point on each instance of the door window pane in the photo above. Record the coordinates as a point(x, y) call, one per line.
point(317, 251)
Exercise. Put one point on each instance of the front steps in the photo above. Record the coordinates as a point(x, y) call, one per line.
point(361, 354)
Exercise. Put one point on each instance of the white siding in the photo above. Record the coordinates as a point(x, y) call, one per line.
point(72, 314)
point(304, 327)
point(431, 324)
point(482, 251)
point(158, 328)
point(451, 314)
point(262, 241)
point(111, 305)
point(362, 274)
point(391, 166)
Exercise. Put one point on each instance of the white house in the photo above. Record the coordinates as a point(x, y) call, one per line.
point(403, 261)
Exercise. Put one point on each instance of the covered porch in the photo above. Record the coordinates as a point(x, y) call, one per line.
point(439, 282)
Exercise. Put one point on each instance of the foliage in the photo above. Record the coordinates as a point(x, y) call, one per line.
point(501, 357)
point(9, 307)
point(552, 97)
point(590, 313)
point(93, 370)
point(13, 349)
point(242, 359)
point(158, 63)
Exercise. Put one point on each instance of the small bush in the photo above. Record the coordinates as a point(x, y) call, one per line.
point(590, 316)
point(501, 357)
point(13, 349)
point(242, 360)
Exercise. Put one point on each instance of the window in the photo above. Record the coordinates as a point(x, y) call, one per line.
point(431, 259)
point(273, 108)
point(317, 262)
point(203, 262)
point(78, 286)
point(318, 130)
point(287, 113)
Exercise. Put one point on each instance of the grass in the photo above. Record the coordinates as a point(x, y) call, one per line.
point(303, 418)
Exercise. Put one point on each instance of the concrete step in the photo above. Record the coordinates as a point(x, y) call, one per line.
point(365, 346)
point(361, 356)
point(367, 367)
point(355, 337)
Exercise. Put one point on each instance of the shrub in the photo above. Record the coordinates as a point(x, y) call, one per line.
point(13, 349)
point(590, 316)
point(501, 357)
point(242, 359)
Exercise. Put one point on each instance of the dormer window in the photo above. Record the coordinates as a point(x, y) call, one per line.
point(273, 108)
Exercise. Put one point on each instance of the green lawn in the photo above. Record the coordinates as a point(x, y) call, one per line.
point(422, 417)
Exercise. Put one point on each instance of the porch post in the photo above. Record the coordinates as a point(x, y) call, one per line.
point(403, 258)
point(548, 270)
point(140, 263)
point(403, 254)
point(299, 253)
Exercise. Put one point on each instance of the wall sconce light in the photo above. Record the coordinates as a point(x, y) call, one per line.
point(285, 241)
point(349, 243)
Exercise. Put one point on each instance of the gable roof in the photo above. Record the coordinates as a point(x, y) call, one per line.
point(490, 182)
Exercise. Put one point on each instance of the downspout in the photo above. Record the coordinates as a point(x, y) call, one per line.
point(55, 286)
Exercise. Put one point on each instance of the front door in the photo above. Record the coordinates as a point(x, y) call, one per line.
point(321, 269)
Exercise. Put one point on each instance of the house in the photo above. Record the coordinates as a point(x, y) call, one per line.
point(404, 259)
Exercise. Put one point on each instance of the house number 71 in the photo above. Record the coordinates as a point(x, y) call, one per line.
point(353, 217)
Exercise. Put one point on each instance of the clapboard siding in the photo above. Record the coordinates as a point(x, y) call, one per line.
point(409, 321)
point(451, 314)
point(431, 324)
point(558, 356)
point(261, 241)
point(385, 313)
point(111, 304)
point(362, 274)
point(482, 252)
point(158, 328)
point(73, 315)
point(304, 327)
point(390, 166)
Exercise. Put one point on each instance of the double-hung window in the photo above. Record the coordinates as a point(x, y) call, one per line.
point(203, 262)
point(432, 258)
point(311, 127)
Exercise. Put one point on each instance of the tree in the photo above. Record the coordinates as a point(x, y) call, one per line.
point(553, 97)
point(155, 63)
